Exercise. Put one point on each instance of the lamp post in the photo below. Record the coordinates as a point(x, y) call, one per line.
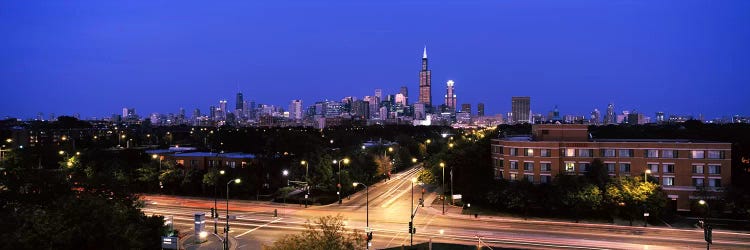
point(307, 182)
point(706, 227)
point(216, 208)
point(647, 172)
point(367, 209)
point(284, 173)
point(442, 187)
point(346, 161)
point(226, 229)
point(411, 213)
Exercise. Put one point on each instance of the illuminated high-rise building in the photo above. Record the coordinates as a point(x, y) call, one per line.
point(610, 117)
point(425, 79)
point(450, 96)
point(466, 108)
point(521, 108)
point(480, 109)
point(295, 110)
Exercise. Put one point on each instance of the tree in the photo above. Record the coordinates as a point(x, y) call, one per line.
point(598, 174)
point(384, 164)
point(633, 196)
point(328, 233)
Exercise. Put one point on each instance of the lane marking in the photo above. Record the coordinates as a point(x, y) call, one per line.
point(248, 231)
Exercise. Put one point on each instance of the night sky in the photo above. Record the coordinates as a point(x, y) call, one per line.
point(96, 57)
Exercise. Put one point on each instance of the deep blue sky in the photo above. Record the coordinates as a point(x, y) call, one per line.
point(96, 57)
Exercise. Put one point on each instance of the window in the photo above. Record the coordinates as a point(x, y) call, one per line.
point(529, 177)
point(654, 168)
point(546, 167)
point(714, 169)
point(584, 167)
point(698, 182)
point(570, 152)
point(624, 167)
point(231, 164)
point(546, 152)
point(585, 152)
point(697, 169)
point(697, 154)
point(626, 152)
point(514, 165)
point(652, 153)
point(668, 154)
point(715, 154)
point(528, 166)
point(499, 175)
point(668, 168)
point(513, 176)
point(513, 151)
point(193, 163)
point(714, 182)
point(608, 152)
point(610, 167)
point(212, 163)
point(668, 181)
point(244, 164)
point(545, 179)
point(570, 167)
point(528, 152)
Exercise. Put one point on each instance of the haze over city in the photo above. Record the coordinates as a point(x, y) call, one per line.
point(94, 58)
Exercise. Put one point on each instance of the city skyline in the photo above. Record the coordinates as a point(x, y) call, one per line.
point(160, 63)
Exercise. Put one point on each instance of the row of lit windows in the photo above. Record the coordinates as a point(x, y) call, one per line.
point(623, 153)
point(666, 180)
point(624, 167)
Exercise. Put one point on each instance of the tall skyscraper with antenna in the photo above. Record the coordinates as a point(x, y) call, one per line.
point(425, 82)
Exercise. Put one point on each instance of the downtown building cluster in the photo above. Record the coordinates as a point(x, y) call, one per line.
point(377, 109)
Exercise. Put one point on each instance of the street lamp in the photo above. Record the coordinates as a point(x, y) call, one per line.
point(346, 161)
point(226, 229)
point(442, 187)
point(411, 213)
point(216, 208)
point(284, 174)
point(706, 226)
point(367, 209)
point(648, 171)
point(307, 182)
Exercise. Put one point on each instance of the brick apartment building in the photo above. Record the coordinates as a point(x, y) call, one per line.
point(681, 166)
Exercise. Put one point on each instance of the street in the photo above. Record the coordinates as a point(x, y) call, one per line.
point(389, 207)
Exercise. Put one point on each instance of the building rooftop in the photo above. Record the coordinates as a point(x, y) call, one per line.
point(231, 155)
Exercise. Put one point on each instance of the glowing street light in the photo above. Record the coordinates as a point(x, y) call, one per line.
point(346, 161)
point(226, 233)
point(442, 165)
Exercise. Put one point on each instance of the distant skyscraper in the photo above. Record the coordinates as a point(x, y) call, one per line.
point(466, 108)
point(223, 107)
point(660, 117)
point(595, 117)
point(610, 117)
point(379, 94)
point(425, 79)
point(361, 109)
point(401, 99)
point(521, 108)
point(480, 109)
point(405, 92)
point(239, 102)
point(295, 110)
point(212, 112)
point(450, 96)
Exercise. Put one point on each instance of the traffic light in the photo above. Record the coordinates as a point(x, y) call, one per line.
point(213, 214)
point(707, 231)
point(369, 236)
point(411, 227)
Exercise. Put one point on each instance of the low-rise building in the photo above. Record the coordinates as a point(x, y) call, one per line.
point(682, 167)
